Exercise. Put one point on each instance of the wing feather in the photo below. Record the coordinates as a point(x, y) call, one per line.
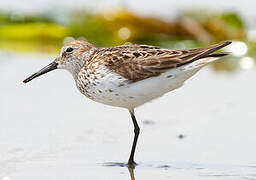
point(138, 62)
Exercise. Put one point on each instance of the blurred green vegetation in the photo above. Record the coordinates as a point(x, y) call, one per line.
point(45, 33)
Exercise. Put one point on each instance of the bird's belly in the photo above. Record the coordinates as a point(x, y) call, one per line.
point(115, 90)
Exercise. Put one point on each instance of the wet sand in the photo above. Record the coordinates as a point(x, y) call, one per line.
point(50, 131)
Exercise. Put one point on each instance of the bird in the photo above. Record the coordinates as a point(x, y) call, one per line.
point(129, 75)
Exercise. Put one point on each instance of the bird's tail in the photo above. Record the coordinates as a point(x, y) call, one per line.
point(206, 55)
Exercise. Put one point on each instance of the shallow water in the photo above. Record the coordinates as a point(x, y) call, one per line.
point(50, 131)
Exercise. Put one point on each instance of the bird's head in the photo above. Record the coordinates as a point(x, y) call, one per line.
point(72, 57)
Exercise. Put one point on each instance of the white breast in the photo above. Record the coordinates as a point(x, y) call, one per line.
point(112, 89)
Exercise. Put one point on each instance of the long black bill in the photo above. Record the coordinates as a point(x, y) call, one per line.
point(46, 69)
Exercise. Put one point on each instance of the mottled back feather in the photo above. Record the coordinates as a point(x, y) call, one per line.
point(138, 62)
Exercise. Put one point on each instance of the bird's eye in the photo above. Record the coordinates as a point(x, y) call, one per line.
point(69, 49)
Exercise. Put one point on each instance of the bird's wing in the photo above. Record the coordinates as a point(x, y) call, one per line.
point(138, 62)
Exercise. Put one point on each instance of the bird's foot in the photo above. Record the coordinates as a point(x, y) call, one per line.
point(131, 164)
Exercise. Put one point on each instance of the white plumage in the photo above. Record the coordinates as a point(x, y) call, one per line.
point(130, 95)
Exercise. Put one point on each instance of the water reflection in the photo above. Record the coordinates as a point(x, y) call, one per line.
point(131, 172)
point(187, 169)
point(130, 169)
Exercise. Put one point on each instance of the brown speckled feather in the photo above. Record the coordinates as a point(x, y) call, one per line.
point(138, 62)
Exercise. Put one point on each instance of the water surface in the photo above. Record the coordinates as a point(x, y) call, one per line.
point(50, 131)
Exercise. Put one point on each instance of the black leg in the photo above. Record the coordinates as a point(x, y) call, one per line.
point(131, 162)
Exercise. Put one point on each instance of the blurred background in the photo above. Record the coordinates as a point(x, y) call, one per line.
point(205, 130)
point(41, 26)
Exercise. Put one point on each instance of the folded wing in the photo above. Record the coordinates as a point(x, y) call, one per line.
point(138, 62)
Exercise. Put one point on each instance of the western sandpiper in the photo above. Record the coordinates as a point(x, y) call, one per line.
point(129, 75)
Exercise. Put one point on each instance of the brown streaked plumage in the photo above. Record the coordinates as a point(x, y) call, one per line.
point(129, 75)
point(138, 62)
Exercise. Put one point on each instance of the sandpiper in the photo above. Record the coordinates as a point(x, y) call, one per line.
point(129, 75)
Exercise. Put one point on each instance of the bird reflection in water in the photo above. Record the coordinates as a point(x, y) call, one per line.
point(131, 172)
point(130, 169)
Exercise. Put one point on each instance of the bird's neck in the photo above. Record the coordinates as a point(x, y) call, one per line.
point(76, 66)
